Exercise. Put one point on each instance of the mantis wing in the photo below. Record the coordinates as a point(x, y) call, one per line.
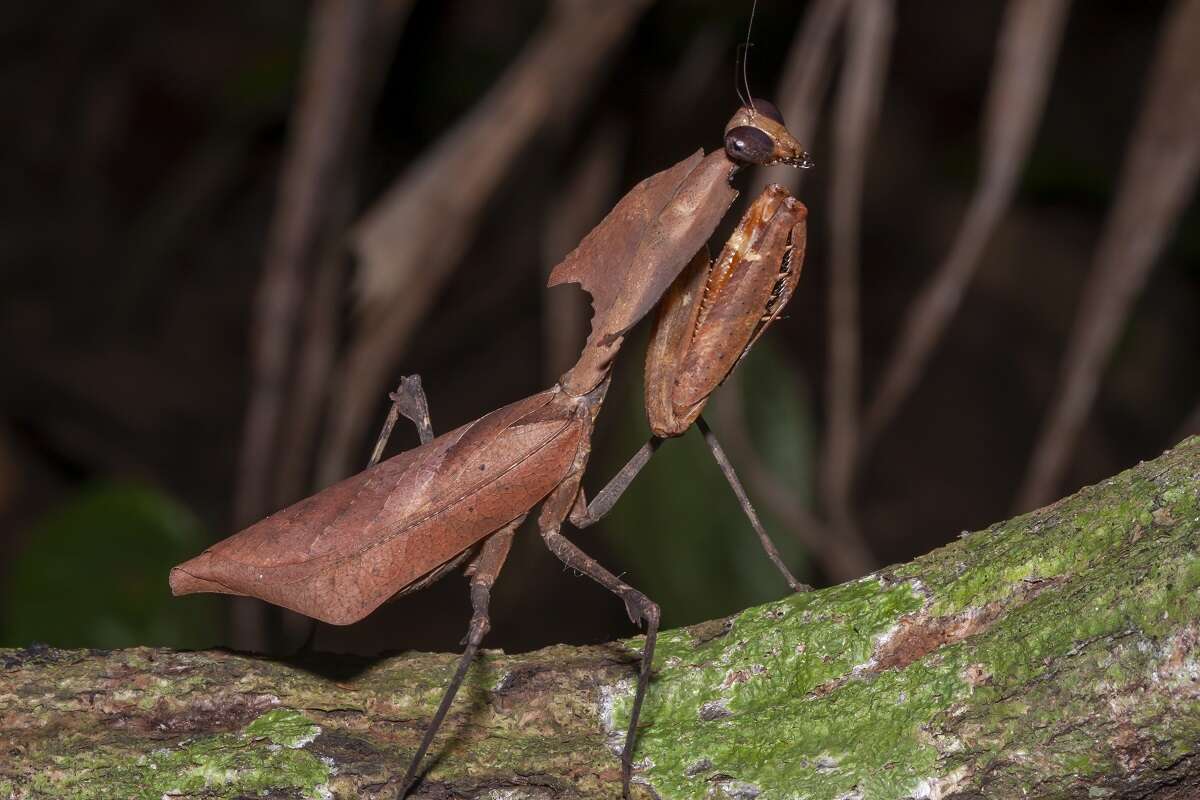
point(342, 552)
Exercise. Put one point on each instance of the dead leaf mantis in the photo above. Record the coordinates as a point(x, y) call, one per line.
point(406, 521)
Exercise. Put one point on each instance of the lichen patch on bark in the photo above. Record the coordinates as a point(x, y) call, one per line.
point(268, 754)
point(921, 633)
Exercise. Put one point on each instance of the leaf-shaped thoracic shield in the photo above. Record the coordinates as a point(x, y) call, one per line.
point(633, 255)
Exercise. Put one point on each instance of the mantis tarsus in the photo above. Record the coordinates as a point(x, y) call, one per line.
point(405, 521)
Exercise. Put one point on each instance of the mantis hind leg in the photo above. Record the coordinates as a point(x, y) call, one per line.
point(483, 571)
point(640, 608)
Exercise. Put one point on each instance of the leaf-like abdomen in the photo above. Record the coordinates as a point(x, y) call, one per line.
point(341, 553)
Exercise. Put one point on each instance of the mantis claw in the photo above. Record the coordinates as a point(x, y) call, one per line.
point(641, 609)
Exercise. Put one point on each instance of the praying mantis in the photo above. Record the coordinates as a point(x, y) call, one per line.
point(459, 498)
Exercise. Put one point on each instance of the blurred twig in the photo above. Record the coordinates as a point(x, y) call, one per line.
point(1157, 179)
point(317, 355)
point(323, 314)
point(1026, 53)
point(868, 45)
point(410, 240)
point(805, 79)
point(315, 165)
point(806, 73)
point(186, 200)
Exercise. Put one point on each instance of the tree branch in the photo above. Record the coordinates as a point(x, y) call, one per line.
point(1053, 655)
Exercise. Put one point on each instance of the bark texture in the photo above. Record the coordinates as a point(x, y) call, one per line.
point(1052, 655)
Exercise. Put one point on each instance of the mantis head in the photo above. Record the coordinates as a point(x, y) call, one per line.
point(756, 135)
point(627, 262)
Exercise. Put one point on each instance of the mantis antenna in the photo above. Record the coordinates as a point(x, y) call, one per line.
point(739, 64)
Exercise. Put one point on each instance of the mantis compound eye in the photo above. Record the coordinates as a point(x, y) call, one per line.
point(767, 109)
point(748, 145)
point(756, 135)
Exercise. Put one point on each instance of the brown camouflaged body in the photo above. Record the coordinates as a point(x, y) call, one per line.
point(339, 554)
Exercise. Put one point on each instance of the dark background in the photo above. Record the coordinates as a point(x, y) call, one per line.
point(142, 149)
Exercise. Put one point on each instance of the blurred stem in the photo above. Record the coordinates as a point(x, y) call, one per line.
point(805, 79)
point(1027, 51)
point(869, 45)
point(402, 242)
point(1157, 179)
point(325, 302)
point(330, 104)
point(314, 364)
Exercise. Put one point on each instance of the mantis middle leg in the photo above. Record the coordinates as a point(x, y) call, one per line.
point(606, 498)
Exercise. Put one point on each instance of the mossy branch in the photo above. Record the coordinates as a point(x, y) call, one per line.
point(1053, 655)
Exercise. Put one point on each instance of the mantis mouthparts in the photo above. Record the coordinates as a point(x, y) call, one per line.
point(802, 161)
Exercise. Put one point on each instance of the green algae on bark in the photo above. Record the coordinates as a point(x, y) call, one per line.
point(266, 756)
point(1067, 635)
point(1053, 655)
